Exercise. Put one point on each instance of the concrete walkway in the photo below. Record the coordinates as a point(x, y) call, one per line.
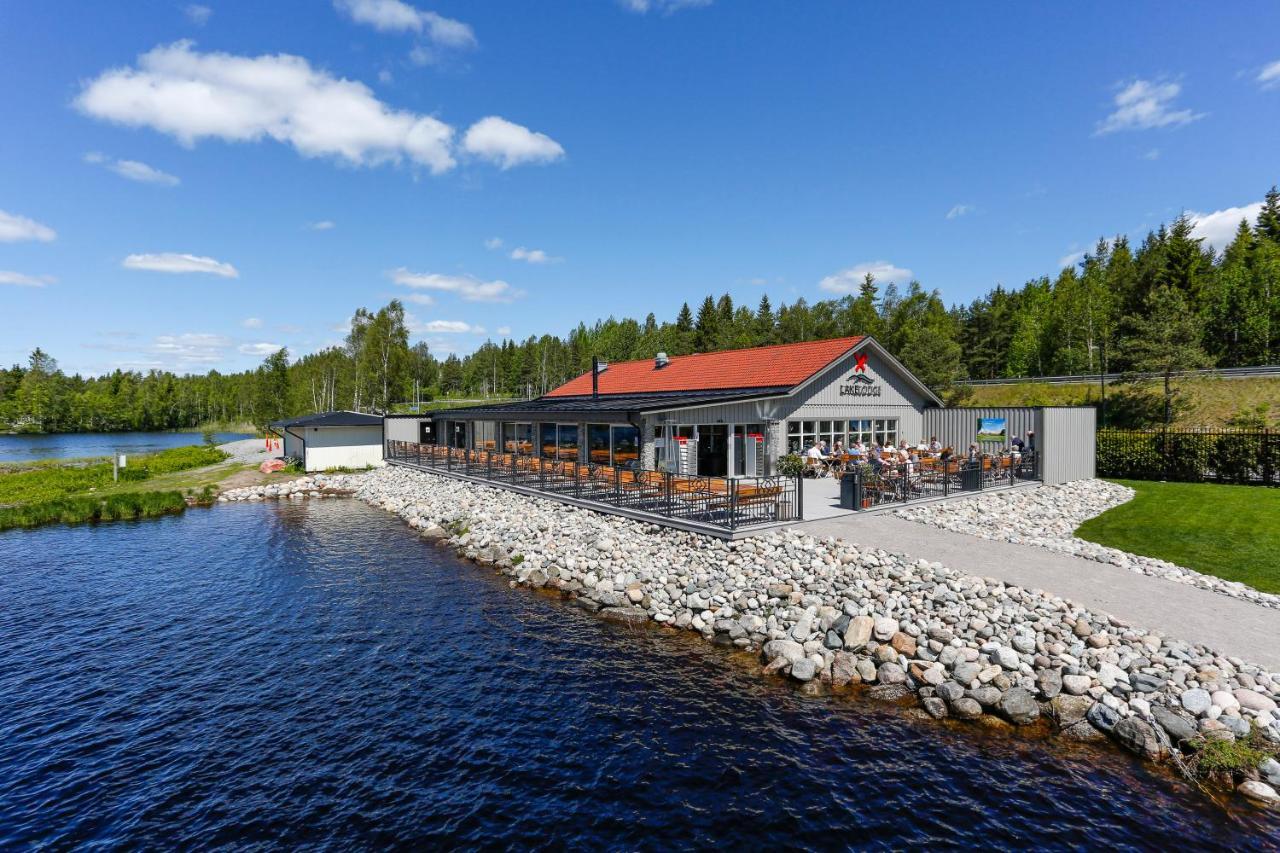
point(1228, 625)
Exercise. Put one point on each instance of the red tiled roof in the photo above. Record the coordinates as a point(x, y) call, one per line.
point(783, 365)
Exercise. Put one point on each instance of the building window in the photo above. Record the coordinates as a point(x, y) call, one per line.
point(801, 435)
point(626, 445)
point(831, 432)
point(547, 440)
point(517, 438)
point(860, 430)
point(598, 444)
point(886, 431)
point(567, 441)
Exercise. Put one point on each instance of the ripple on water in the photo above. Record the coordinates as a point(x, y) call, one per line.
point(315, 673)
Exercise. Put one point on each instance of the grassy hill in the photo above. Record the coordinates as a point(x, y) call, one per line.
point(1202, 401)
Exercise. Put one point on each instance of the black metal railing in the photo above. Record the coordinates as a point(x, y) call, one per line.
point(723, 502)
point(1191, 456)
point(935, 478)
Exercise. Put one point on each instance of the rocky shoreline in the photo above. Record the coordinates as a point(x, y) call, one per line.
point(832, 615)
point(1048, 516)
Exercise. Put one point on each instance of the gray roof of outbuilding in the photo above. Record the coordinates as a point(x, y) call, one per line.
point(330, 419)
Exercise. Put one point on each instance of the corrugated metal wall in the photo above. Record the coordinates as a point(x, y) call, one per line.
point(958, 428)
point(1070, 444)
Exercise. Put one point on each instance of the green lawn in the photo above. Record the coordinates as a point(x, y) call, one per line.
point(1232, 532)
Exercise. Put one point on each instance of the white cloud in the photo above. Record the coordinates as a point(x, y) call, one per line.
point(133, 170)
point(504, 331)
point(500, 141)
point(260, 349)
point(179, 263)
point(15, 228)
point(197, 14)
point(1219, 228)
point(391, 16)
point(469, 288)
point(448, 327)
point(533, 256)
point(385, 77)
point(665, 7)
point(1152, 154)
point(191, 348)
point(849, 280)
point(322, 225)
point(1070, 260)
point(251, 322)
point(960, 210)
point(493, 243)
point(23, 280)
point(193, 96)
point(1269, 77)
point(1146, 104)
point(420, 298)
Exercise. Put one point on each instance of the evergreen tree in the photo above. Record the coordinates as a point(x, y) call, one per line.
point(684, 320)
point(1164, 339)
point(706, 330)
point(1269, 216)
point(765, 322)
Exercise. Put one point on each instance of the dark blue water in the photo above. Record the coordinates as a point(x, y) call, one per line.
point(25, 448)
point(314, 674)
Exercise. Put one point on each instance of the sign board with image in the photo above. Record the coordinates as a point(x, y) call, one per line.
point(992, 429)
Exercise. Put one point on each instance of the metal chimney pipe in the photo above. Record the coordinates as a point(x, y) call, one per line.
point(595, 378)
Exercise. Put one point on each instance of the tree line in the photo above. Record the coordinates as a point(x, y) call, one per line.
point(1171, 303)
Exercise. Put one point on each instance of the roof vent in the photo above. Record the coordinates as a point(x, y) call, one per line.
point(660, 361)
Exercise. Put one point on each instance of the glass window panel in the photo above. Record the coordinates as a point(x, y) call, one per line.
point(547, 439)
point(598, 443)
point(567, 439)
point(626, 445)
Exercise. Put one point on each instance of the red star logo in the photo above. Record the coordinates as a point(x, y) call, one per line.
point(861, 366)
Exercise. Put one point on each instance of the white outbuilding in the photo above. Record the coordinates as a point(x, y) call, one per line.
point(332, 440)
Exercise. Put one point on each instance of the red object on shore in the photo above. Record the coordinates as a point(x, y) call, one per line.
point(271, 465)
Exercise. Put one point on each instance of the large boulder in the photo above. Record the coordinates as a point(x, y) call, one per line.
point(1137, 735)
point(858, 634)
point(789, 650)
point(1178, 727)
point(1019, 707)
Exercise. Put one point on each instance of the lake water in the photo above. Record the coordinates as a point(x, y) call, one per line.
point(25, 448)
point(313, 673)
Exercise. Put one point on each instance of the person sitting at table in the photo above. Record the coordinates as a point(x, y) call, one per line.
point(974, 453)
point(817, 459)
point(858, 448)
point(935, 446)
point(946, 453)
point(838, 450)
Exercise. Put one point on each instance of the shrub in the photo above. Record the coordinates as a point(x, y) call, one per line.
point(790, 465)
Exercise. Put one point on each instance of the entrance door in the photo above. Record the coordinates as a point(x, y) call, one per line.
point(713, 450)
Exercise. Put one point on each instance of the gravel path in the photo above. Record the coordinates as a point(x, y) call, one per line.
point(1047, 517)
point(250, 451)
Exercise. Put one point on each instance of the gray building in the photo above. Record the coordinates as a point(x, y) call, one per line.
point(733, 413)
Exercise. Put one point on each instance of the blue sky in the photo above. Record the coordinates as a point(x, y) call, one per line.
point(185, 186)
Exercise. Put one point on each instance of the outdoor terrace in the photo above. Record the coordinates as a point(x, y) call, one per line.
point(720, 506)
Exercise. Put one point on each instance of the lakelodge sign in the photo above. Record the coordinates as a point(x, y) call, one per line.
point(859, 384)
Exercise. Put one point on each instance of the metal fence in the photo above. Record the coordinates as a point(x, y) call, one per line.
point(929, 479)
point(1191, 456)
point(720, 502)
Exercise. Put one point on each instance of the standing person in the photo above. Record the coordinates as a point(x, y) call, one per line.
point(974, 453)
point(1031, 441)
